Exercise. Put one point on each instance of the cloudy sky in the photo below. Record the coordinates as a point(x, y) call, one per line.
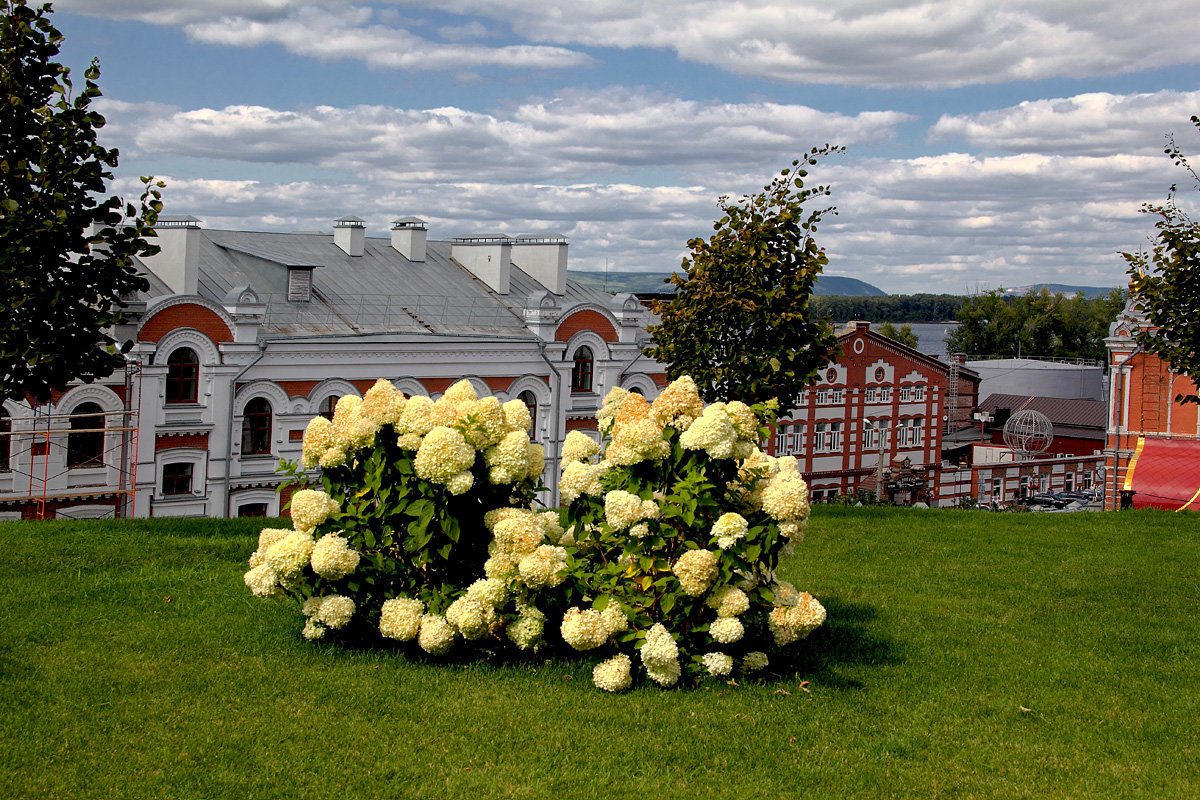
point(989, 142)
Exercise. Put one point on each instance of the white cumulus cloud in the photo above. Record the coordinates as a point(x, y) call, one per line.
point(1098, 123)
point(859, 42)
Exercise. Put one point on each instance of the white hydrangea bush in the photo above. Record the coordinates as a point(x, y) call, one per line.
point(422, 529)
point(675, 527)
point(661, 565)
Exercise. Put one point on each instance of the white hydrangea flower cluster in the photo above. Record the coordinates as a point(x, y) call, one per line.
point(543, 567)
point(581, 478)
point(726, 630)
point(729, 601)
point(400, 618)
point(329, 612)
point(443, 454)
point(607, 415)
point(527, 630)
point(613, 675)
point(696, 571)
point(333, 558)
point(288, 557)
point(578, 446)
point(499, 430)
point(792, 623)
point(718, 664)
point(310, 507)
point(728, 529)
point(636, 436)
point(509, 460)
point(435, 636)
point(713, 433)
point(622, 509)
point(785, 497)
point(660, 656)
point(585, 629)
point(678, 405)
point(471, 617)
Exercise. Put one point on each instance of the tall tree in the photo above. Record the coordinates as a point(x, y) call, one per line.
point(66, 251)
point(1166, 281)
point(740, 322)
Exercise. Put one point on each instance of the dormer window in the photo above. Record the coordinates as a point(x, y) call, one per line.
point(299, 284)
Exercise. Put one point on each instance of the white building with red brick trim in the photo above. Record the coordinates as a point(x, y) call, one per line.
point(244, 336)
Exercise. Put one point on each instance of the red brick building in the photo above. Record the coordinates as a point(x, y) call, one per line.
point(879, 404)
point(1152, 456)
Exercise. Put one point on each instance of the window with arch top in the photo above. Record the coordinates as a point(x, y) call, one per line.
point(530, 402)
point(329, 407)
point(85, 442)
point(581, 370)
point(256, 427)
point(183, 376)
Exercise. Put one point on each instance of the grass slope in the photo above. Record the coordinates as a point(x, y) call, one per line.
point(967, 655)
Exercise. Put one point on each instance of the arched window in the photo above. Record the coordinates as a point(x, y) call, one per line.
point(530, 402)
point(183, 376)
point(581, 370)
point(85, 442)
point(256, 427)
point(328, 406)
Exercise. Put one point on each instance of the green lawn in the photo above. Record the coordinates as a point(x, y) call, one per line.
point(967, 654)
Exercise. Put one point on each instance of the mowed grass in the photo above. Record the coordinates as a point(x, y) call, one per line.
point(967, 654)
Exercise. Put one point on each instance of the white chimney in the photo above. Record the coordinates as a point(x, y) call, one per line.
point(408, 238)
point(177, 262)
point(349, 233)
point(544, 258)
point(487, 256)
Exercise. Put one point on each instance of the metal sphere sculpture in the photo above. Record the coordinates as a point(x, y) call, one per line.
point(1028, 433)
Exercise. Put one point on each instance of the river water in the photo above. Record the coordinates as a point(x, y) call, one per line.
point(930, 335)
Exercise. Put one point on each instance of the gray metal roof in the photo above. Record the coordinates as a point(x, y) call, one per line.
point(1061, 411)
point(379, 292)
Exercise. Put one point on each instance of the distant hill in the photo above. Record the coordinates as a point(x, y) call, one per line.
point(645, 282)
point(1090, 292)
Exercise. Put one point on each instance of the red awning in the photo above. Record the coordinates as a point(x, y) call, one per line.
point(1165, 473)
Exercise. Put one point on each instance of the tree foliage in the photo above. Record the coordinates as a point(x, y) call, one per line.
point(66, 251)
point(1036, 325)
point(890, 308)
point(1166, 281)
point(741, 323)
point(904, 334)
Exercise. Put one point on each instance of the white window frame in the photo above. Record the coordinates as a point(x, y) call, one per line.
point(885, 394)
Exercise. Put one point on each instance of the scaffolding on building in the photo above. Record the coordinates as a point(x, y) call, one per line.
point(47, 455)
point(952, 395)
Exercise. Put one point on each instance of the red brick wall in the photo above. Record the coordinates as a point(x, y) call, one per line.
point(185, 315)
point(583, 424)
point(190, 440)
point(297, 388)
point(586, 320)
